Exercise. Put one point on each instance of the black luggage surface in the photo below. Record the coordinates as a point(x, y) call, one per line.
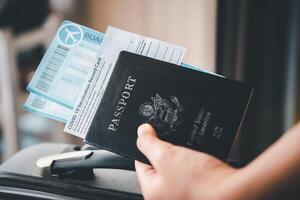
point(19, 179)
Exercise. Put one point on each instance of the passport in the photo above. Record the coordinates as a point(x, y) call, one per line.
point(186, 107)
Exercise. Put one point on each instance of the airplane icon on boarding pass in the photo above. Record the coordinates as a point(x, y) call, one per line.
point(70, 34)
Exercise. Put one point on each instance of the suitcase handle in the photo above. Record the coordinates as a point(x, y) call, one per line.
point(81, 163)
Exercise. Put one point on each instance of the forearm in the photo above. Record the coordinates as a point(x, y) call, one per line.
point(275, 172)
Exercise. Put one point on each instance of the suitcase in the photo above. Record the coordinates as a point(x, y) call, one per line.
point(103, 175)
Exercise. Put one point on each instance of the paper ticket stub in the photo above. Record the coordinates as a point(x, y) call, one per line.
point(115, 41)
point(64, 69)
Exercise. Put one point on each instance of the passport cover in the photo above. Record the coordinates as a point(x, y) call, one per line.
point(186, 107)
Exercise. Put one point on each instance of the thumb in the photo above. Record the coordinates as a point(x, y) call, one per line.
point(151, 146)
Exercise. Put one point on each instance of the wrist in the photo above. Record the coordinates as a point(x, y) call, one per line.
point(230, 187)
point(233, 186)
point(242, 184)
point(224, 180)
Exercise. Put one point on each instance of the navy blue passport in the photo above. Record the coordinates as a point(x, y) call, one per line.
point(186, 107)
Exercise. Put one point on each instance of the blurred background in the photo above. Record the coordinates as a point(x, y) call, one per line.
point(256, 41)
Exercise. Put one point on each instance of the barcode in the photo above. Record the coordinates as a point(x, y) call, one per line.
point(38, 102)
point(52, 67)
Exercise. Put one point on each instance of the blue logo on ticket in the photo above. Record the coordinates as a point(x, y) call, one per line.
point(65, 67)
point(70, 34)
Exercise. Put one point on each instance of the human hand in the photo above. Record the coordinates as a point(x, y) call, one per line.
point(180, 173)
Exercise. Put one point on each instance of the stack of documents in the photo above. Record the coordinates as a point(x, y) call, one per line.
point(103, 86)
